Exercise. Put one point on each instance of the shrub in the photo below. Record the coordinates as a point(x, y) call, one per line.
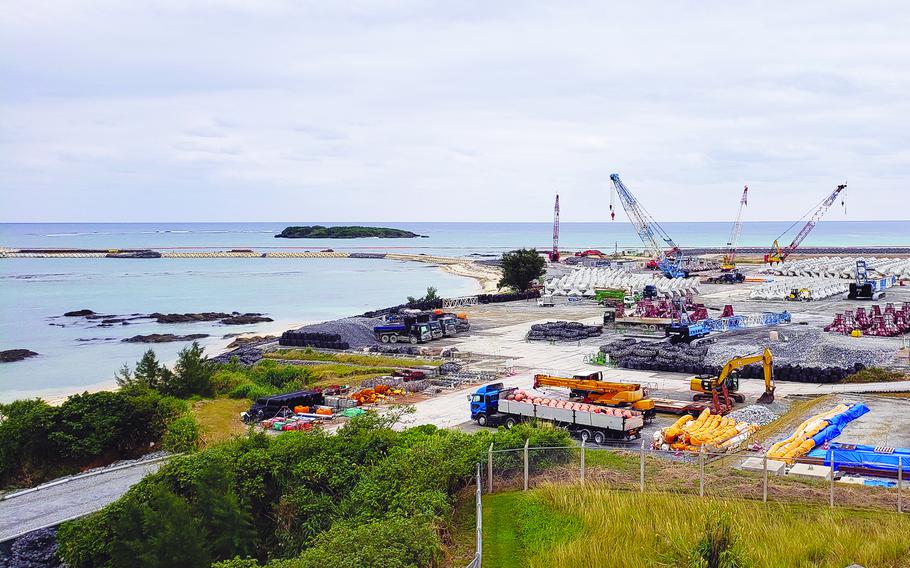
point(252, 391)
point(225, 381)
point(182, 435)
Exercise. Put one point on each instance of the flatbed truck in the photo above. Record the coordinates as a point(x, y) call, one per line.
point(490, 406)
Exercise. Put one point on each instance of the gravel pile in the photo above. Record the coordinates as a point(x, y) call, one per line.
point(563, 331)
point(356, 331)
point(397, 383)
point(808, 347)
point(757, 414)
point(37, 549)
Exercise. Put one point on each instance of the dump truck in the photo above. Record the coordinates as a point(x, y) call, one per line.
point(490, 406)
point(408, 330)
point(593, 389)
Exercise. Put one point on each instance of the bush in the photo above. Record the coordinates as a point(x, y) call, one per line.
point(182, 435)
point(225, 381)
point(38, 441)
point(520, 268)
point(252, 391)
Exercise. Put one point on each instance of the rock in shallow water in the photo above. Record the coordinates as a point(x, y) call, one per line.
point(13, 355)
point(164, 338)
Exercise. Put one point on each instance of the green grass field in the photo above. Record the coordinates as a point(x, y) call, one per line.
point(584, 526)
point(350, 358)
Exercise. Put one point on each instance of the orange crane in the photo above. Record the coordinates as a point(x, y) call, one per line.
point(594, 390)
point(729, 262)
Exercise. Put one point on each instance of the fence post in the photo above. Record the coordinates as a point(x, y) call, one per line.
point(831, 481)
point(490, 469)
point(641, 468)
point(701, 471)
point(764, 489)
point(526, 463)
point(900, 483)
point(582, 461)
point(479, 506)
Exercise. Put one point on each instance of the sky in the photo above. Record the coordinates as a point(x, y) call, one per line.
point(299, 110)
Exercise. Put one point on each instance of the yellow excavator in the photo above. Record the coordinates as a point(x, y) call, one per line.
point(594, 390)
point(722, 389)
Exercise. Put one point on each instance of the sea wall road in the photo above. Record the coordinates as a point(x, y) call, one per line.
point(68, 498)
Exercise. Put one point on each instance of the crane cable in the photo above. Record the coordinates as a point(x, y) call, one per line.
point(813, 210)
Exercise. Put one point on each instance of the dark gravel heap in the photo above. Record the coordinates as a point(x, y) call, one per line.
point(449, 367)
point(692, 359)
point(246, 355)
point(37, 549)
point(357, 332)
point(563, 331)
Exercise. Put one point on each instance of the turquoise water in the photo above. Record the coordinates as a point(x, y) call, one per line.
point(291, 291)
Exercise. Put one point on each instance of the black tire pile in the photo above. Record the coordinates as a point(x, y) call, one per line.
point(509, 297)
point(683, 358)
point(653, 356)
point(563, 331)
point(449, 367)
point(297, 338)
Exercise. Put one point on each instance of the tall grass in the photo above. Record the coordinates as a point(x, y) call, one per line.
point(351, 358)
point(622, 529)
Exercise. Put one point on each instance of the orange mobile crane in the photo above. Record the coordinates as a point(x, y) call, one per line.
point(594, 390)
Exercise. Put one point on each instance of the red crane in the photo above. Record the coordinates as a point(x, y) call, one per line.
point(554, 254)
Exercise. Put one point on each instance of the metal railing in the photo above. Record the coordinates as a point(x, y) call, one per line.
point(478, 546)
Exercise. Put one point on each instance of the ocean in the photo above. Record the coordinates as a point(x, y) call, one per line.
point(77, 355)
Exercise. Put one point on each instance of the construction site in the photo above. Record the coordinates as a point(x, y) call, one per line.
point(658, 348)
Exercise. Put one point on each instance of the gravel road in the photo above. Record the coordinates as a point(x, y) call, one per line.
point(78, 496)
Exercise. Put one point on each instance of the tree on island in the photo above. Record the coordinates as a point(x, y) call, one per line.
point(520, 268)
point(432, 294)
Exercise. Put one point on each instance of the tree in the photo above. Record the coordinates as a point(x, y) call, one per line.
point(432, 294)
point(149, 373)
point(192, 374)
point(520, 268)
point(124, 376)
point(160, 532)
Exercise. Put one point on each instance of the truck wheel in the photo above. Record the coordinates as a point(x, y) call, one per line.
point(599, 438)
point(510, 422)
point(482, 420)
point(393, 339)
point(584, 435)
point(384, 338)
point(413, 340)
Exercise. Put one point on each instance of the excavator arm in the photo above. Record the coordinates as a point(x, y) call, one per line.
point(718, 384)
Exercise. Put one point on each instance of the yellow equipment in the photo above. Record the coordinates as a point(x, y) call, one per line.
point(594, 390)
point(722, 388)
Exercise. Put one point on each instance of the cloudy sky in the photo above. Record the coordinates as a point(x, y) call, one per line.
point(267, 110)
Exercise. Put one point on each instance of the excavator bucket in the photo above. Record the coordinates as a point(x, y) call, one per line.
point(766, 398)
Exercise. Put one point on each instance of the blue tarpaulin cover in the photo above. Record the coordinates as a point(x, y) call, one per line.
point(862, 456)
point(837, 423)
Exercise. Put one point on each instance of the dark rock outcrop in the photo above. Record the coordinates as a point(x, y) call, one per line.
point(164, 338)
point(13, 355)
point(79, 313)
point(245, 319)
point(254, 340)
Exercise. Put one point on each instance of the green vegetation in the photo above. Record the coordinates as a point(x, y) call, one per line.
point(348, 232)
point(432, 294)
point(875, 375)
point(590, 526)
point(520, 268)
point(366, 360)
point(39, 442)
point(366, 496)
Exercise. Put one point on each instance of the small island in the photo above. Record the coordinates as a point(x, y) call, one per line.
point(344, 232)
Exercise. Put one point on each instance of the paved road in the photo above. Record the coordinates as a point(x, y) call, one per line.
point(56, 503)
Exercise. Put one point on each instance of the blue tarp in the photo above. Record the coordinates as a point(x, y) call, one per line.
point(837, 423)
point(862, 456)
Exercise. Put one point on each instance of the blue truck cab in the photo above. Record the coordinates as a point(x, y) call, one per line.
point(485, 403)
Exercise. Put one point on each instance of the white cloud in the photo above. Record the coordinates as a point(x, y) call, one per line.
point(428, 111)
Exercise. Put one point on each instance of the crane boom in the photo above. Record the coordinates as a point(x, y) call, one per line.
point(554, 254)
point(649, 231)
point(778, 254)
point(593, 389)
point(729, 262)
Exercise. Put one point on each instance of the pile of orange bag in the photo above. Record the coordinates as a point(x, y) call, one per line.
point(712, 432)
point(376, 394)
point(522, 396)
